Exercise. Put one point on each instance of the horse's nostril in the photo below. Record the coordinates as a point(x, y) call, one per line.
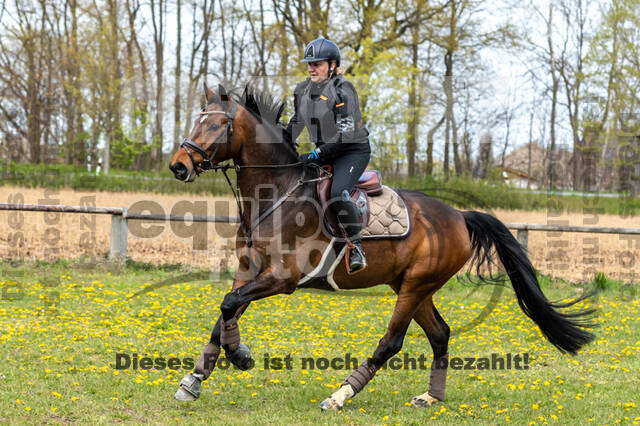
point(178, 169)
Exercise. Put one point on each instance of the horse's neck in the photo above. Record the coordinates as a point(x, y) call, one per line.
point(265, 185)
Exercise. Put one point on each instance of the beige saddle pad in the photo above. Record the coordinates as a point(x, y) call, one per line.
point(389, 216)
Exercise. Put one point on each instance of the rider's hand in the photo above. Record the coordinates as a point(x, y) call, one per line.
point(308, 158)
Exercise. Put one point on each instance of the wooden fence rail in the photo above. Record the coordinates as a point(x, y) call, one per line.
point(120, 229)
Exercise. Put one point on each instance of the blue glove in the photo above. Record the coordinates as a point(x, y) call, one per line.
point(308, 158)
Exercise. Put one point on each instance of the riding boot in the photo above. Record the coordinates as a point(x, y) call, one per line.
point(357, 259)
point(347, 214)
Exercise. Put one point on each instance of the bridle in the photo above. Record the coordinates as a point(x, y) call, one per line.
point(207, 164)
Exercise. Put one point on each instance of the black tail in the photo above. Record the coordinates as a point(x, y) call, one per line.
point(563, 330)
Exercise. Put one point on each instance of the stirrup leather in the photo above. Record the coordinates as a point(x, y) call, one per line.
point(351, 247)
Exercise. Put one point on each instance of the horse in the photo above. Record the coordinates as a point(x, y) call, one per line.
point(245, 128)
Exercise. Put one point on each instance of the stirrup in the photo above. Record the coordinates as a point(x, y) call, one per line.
point(357, 247)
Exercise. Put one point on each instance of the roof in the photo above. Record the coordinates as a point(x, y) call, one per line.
point(517, 172)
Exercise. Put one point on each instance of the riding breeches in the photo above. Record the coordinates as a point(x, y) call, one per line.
point(347, 169)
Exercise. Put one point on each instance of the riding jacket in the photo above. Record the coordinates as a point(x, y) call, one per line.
point(331, 112)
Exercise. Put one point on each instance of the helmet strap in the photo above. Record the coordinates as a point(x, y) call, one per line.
point(331, 71)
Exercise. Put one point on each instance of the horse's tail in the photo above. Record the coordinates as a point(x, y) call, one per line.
point(563, 330)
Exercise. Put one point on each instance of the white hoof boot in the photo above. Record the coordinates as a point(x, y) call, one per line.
point(424, 400)
point(182, 395)
point(336, 401)
point(330, 404)
point(189, 388)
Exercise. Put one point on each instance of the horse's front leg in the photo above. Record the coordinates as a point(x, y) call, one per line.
point(226, 333)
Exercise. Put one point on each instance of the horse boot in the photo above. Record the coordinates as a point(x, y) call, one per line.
point(348, 217)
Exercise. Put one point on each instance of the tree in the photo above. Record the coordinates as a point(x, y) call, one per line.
point(177, 76)
point(570, 67)
point(459, 38)
point(158, 18)
point(202, 18)
point(611, 124)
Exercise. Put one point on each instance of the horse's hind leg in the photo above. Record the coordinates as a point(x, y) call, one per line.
point(409, 298)
point(437, 330)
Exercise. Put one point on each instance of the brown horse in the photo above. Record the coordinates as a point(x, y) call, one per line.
point(286, 246)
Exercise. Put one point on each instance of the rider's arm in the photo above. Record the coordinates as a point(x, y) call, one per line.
point(348, 120)
point(295, 126)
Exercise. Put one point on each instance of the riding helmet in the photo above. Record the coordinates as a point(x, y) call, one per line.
point(321, 49)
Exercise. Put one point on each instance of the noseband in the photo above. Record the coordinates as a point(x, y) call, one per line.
point(206, 163)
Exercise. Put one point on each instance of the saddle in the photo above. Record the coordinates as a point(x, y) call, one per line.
point(382, 211)
point(368, 185)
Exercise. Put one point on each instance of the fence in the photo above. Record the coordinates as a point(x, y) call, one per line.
point(120, 229)
point(119, 218)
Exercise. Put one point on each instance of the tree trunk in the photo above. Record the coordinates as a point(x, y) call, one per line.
point(552, 134)
point(448, 90)
point(412, 125)
point(432, 131)
point(158, 12)
point(530, 146)
point(551, 164)
point(178, 91)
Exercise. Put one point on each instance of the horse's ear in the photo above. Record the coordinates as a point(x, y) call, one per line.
point(209, 96)
point(245, 93)
point(224, 97)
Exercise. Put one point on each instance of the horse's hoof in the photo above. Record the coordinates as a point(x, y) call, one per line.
point(241, 358)
point(189, 388)
point(423, 401)
point(183, 395)
point(330, 404)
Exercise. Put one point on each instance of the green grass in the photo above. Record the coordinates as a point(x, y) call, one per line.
point(58, 357)
point(462, 192)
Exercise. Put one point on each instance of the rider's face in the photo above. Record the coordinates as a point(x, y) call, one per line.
point(318, 71)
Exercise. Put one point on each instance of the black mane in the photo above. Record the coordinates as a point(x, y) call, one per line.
point(267, 109)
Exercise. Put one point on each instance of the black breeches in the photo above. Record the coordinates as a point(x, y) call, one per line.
point(347, 169)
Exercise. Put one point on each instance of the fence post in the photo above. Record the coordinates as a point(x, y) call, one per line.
point(523, 238)
point(119, 231)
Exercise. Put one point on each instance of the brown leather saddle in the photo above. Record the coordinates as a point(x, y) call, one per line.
point(369, 185)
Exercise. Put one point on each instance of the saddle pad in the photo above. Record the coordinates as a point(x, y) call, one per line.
point(389, 216)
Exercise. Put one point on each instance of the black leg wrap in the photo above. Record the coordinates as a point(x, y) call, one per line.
point(438, 377)
point(241, 358)
point(207, 360)
point(360, 376)
point(230, 335)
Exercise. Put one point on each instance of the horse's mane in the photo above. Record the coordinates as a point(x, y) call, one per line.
point(267, 110)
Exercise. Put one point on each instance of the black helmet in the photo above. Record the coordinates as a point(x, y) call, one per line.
point(321, 49)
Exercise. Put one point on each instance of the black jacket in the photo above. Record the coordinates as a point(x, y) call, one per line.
point(331, 113)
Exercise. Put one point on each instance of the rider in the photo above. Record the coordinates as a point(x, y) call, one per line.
point(327, 104)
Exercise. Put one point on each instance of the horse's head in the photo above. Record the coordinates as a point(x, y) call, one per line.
point(211, 141)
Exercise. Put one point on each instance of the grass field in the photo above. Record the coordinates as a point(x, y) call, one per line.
point(58, 357)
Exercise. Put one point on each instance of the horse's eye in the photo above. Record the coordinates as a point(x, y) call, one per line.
point(214, 127)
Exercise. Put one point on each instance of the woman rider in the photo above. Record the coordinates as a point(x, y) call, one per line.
point(327, 104)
